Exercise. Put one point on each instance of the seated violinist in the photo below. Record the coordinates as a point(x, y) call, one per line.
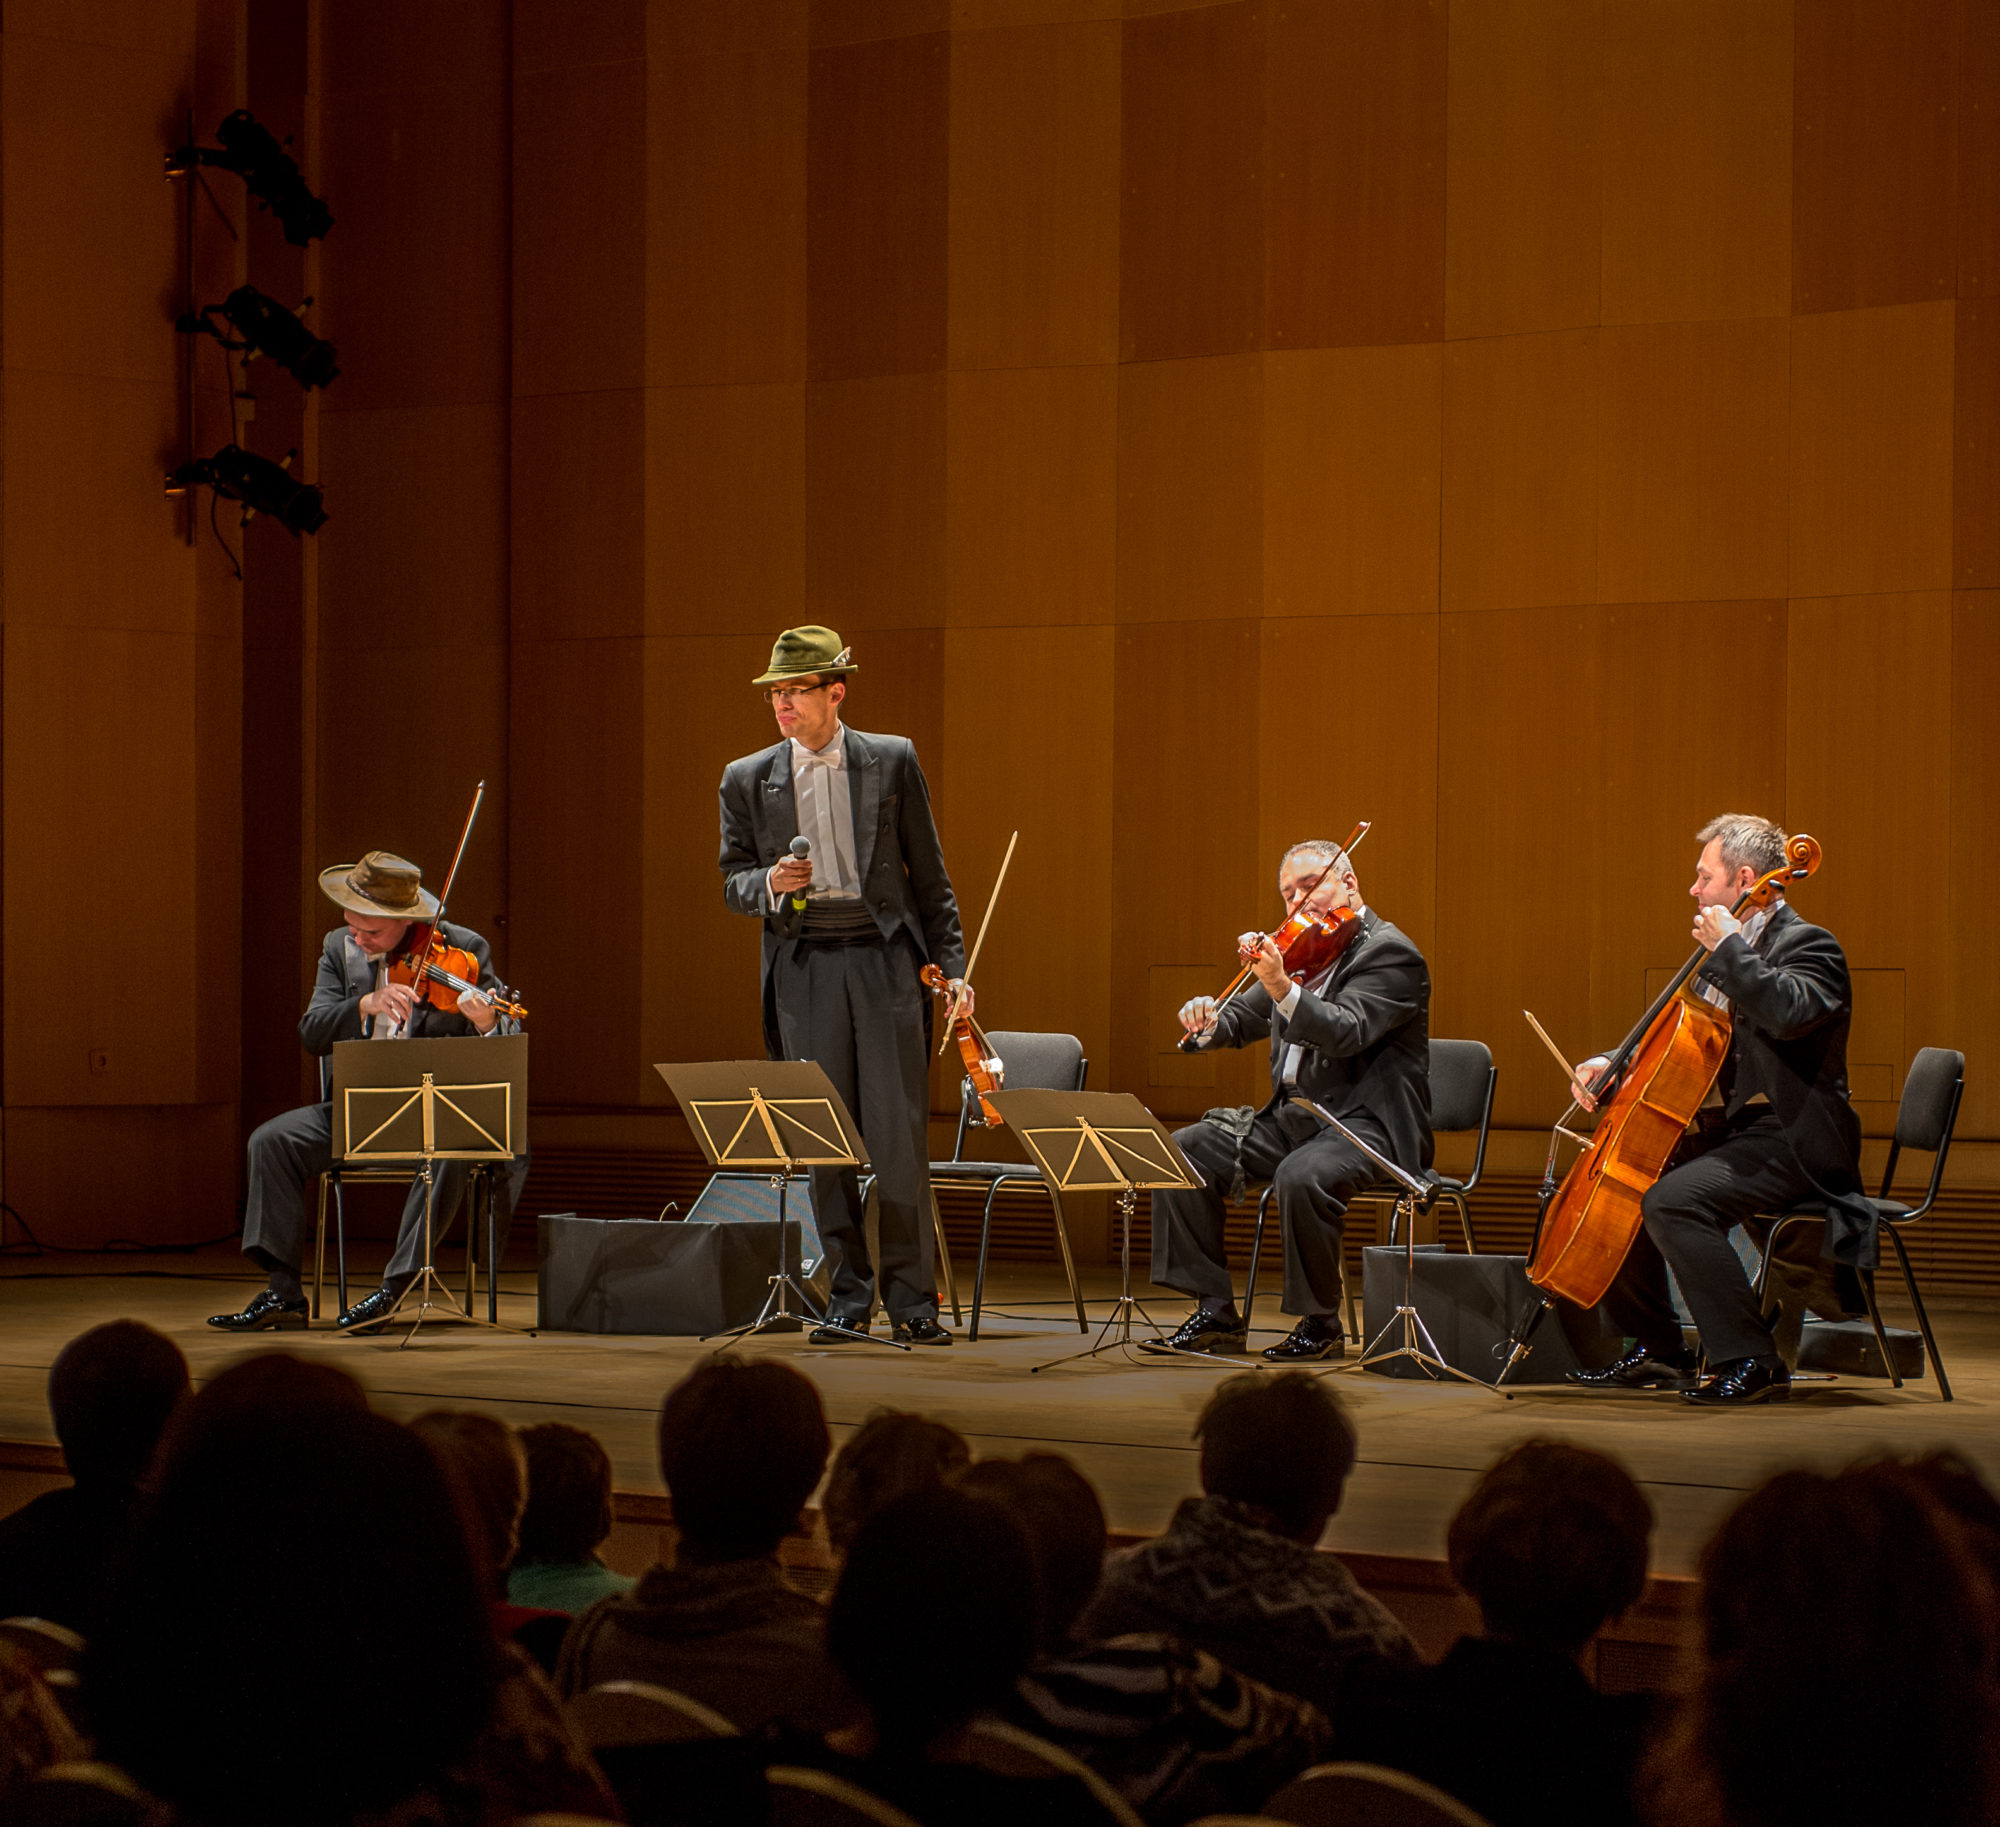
point(1354, 1038)
point(354, 998)
point(1777, 1128)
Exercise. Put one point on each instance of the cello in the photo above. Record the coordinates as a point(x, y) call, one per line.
point(1660, 1073)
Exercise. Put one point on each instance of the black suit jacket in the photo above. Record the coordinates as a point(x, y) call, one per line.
point(904, 882)
point(346, 974)
point(1791, 1003)
point(1367, 1041)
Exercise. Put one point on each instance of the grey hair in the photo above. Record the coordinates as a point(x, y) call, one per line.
point(1747, 842)
point(1319, 853)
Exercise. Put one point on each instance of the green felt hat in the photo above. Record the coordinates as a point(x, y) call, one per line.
point(801, 651)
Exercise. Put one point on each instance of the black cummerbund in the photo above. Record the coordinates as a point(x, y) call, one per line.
point(846, 921)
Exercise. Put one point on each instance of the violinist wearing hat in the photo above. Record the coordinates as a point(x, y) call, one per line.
point(850, 918)
point(353, 998)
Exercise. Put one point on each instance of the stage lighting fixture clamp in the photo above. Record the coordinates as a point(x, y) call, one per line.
point(268, 172)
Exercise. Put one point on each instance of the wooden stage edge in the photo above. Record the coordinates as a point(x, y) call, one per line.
point(1125, 1421)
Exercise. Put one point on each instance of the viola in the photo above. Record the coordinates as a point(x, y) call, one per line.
point(445, 972)
point(1310, 941)
point(1663, 1070)
point(982, 1064)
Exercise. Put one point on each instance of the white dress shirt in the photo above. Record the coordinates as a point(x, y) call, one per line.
point(823, 799)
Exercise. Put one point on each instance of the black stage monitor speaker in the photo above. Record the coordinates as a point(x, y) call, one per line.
point(644, 1275)
point(1471, 1305)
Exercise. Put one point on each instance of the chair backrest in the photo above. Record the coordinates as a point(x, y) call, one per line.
point(641, 1713)
point(1924, 1114)
point(1461, 1078)
point(1041, 1062)
point(811, 1798)
point(1367, 1795)
point(1007, 1750)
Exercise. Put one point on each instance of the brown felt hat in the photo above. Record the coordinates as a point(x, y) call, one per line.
point(382, 885)
point(801, 652)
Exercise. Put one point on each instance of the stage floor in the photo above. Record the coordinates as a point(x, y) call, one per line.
point(1124, 1420)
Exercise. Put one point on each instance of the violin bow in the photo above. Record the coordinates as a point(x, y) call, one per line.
point(1361, 829)
point(436, 941)
point(992, 900)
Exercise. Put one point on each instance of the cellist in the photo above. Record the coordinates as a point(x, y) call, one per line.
point(1778, 1128)
point(1356, 1039)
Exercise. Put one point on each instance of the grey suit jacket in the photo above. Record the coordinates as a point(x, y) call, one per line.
point(901, 864)
point(1366, 1037)
point(346, 975)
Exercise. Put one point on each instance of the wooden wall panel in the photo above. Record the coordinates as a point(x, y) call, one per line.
point(1376, 759)
point(1979, 152)
point(577, 511)
point(1034, 195)
point(859, 21)
point(1871, 451)
point(876, 205)
point(1519, 512)
point(1874, 219)
point(1975, 427)
point(575, 850)
point(1191, 266)
point(1692, 427)
point(1697, 160)
point(1870, 713)
point(875, 452)
point(579, 188)
point(714, 28)
point(417, 551)
point(1974, 873)
point(1351, 463)
point(1044, 770)
point(725, 514)
point(1190, 509)
point(1355, 239)
point(1031, 496)
point(85, 1175)
point(978, 15)
point(554, 34)
point(725, 293)
point(1179, 683)
point(1510, 784)
point(1523, 183)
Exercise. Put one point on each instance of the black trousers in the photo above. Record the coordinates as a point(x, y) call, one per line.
point(859, 1011)
point(1730, 1171)
point(290, 1152)
point(1316, 1173)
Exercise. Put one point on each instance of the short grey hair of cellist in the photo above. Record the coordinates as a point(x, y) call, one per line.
point(1317, 853)
point(1747, 841)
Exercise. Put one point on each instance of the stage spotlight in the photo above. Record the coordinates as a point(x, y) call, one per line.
point(267, 328)
point(261, 485)
point(268, 171)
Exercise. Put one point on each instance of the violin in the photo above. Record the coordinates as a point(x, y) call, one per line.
point(1310, 941)
point(982, 1064)
point(444, 972)
point(1663, 1070)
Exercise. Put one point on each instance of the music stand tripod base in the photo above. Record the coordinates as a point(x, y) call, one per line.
point(427, 1287)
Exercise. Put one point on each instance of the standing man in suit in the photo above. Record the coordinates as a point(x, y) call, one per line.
point(1357, 1041)
point(847, 928)
point(382, 897)
point(1778, 1128)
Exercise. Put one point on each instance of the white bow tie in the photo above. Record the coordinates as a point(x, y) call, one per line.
point(807, 758)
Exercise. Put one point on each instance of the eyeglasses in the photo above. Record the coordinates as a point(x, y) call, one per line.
point(773, 693)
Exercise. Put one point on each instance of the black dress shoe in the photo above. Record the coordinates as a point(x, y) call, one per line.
point(1315, 1336)
point(1202, 1330)
point(266, 1313)
point(1639, 1368)
point(921, 1331)
point(835, 1331)
point(1741, 1382)
point(371, 1312)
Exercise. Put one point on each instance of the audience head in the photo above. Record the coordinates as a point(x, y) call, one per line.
point(1280, 1443)
point(742, 1444)
point(298, 1581)
point(1861, 1576)
point(569, 1496)
point(112, 1391)
point(482, 1457)
point(1061, 1520)
point(1551, 1544)
point(891, 1454)
point(937, 1567)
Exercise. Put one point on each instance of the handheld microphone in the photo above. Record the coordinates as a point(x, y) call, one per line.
point(802, 849)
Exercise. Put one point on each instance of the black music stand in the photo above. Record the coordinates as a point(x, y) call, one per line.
point(1416, 1196)
point(1096, 1142)
point(462, 1098)
point(780, 1115)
